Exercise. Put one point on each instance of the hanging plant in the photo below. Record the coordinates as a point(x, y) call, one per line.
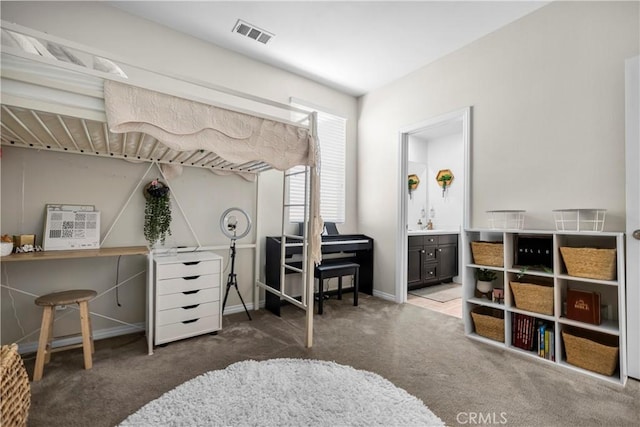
point(413, 182)
point(444, 178)
point(157, 212)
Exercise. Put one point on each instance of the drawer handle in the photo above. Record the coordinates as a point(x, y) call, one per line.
point(191, 263)
point(189, 307)
point(190, 321)
point(190, 277)
point(191, 292)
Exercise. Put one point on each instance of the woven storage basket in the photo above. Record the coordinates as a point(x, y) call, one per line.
point(489, 322)
point(590, 262)
point(533, 297)
point(15, 392)
point(488, 253)
point(592, 351)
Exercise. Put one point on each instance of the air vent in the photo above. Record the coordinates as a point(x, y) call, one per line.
point(253, 32)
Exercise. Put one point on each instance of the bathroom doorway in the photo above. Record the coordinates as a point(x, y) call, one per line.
point(436, 154)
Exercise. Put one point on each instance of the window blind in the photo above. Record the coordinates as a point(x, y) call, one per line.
point(332, 141)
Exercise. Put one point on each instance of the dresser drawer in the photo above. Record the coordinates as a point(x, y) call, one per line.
point(185, 284)
point(187, 269)
point(182, 299)
point(430, 253)
point(189, 312)
point(430, 240)
point(186, 329)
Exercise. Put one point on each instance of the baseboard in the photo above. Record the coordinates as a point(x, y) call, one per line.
point(32, 347)
point(384, 295)
point(232, 309)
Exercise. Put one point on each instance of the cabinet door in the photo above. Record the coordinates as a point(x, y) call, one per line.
point(414, 270)
point(447, 261)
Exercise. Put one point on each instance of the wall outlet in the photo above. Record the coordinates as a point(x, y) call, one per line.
point(61, 307)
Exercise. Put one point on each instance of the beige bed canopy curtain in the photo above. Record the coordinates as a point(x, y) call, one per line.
point(61, 96)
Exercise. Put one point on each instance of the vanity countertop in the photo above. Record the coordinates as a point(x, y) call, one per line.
point(435, 232)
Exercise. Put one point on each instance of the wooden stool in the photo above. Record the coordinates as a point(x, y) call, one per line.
point(49, 303)
point(337, 269)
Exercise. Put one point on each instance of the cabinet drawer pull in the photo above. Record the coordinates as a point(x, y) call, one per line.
point(191, 292)
point(190, 321)
point(189, 307)
point(423, 251)
point(190, 277)
point(191, 263)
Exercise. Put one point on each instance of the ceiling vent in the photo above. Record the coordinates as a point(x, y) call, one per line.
point(253, 32)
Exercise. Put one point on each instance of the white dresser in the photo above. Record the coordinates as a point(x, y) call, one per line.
point(187, 293)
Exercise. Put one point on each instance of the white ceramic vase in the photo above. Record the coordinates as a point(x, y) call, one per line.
point(483, 286)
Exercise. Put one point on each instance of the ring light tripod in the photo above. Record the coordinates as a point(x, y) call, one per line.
point(229, 227)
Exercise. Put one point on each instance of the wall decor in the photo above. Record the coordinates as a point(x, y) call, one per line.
point(413, 182)
point(444, 178)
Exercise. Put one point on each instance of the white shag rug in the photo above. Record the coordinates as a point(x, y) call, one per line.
point(285, 392)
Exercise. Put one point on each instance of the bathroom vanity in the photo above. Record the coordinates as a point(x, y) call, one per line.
point(432, 256)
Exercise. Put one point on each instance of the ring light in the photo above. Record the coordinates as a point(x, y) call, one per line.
point(234, 227)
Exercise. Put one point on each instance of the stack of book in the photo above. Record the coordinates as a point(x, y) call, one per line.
point(531, 334)
point(546, 341)
point(522, 331)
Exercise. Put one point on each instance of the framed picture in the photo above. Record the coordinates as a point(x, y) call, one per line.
point(71, 227)
point(534, 251)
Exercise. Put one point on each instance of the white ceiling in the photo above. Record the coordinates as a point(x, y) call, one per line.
point(354, 46)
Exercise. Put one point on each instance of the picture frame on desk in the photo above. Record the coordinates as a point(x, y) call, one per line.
point(71, 227)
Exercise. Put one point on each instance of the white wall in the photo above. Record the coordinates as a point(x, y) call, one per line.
point(30, 178)
point(446, 152)
point(417, 202)
point(426, 157)
point(547, 93)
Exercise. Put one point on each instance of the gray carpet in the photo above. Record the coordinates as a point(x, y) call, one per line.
point(441, 293)
point(418, 350)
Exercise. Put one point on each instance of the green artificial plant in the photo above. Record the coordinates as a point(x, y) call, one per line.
point(157, 212)
point(485, 275)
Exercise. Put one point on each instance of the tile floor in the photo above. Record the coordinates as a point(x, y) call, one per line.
point(451, 308)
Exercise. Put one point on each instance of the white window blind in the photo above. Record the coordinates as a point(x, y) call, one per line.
point(332, 140)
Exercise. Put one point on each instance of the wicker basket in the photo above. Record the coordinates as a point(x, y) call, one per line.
point(589, 350)
point(15, 392)
point(590, 262)
point(533, 297)
point(488, 253)
point(489, 322)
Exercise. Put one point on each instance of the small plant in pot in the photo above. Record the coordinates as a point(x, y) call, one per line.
point(157, 212)
point(484, 283)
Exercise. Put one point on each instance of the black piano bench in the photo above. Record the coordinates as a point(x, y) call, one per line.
point(336, 269)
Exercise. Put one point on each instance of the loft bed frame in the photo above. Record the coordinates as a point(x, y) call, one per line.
point(53, 98)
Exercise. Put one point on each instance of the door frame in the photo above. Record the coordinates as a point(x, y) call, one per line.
point(463, 114)
point(632, 157)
